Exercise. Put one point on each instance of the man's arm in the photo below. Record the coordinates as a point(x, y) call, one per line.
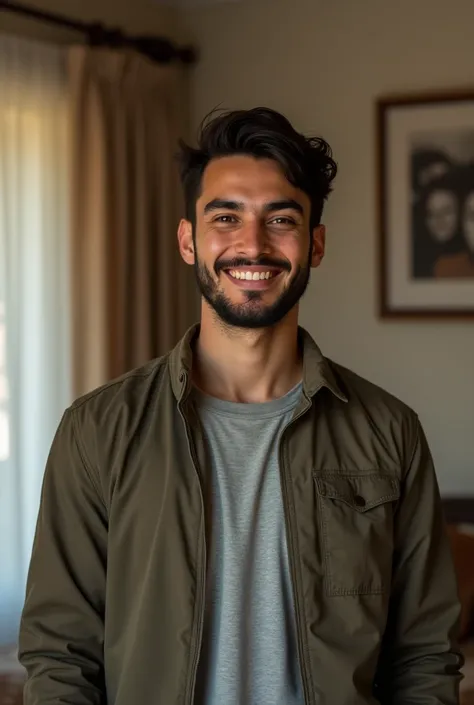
point(420, 660)
point(62, 626)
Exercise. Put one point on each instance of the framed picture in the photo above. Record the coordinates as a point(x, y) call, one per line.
point(426, 205)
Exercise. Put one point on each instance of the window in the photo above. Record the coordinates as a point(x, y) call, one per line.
point(34, 286)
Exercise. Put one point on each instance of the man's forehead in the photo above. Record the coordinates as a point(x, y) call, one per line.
point(246, 179)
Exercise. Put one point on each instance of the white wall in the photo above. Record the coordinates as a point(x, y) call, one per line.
point(323, 64)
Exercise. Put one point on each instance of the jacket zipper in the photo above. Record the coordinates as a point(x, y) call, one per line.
point(199, 623)
point(289, 519)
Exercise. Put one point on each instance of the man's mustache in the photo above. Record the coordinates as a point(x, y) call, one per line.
point(237, 262)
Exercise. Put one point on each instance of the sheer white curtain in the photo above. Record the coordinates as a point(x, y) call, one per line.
point(34, 295)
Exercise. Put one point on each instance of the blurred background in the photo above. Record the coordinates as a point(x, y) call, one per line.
point(90, 280)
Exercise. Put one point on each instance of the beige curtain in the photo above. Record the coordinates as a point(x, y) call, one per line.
point(132, 296)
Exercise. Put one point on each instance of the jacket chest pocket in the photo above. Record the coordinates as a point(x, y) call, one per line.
point(356, 525)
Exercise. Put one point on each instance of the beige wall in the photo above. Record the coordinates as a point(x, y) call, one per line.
point(132, 15)
point(323, 64)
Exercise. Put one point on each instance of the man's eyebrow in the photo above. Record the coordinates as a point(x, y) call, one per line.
point(223, 204)
point(285, 204)
point(271, 207)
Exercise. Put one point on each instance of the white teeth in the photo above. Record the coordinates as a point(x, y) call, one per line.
point(250, 276)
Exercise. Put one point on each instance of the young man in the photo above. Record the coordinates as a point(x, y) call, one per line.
point(242, 522)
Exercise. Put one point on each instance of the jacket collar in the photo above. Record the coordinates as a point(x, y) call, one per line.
point(317, 371)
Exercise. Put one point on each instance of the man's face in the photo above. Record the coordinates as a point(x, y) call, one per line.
point(252, 249)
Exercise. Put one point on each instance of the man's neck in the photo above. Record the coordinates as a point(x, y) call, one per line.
point(245, 365)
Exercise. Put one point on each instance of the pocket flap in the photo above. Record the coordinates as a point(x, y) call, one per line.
point(361, 492)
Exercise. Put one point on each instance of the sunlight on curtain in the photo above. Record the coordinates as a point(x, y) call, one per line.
point(34, 295)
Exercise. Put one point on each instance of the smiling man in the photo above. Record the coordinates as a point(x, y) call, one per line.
point(273, 275)
point(243, 521)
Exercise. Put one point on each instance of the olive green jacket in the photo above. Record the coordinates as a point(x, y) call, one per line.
point(115, 598)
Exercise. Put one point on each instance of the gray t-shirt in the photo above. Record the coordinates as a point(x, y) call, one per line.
point(249, 649)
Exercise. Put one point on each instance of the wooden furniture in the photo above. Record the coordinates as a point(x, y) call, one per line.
point(459, 511)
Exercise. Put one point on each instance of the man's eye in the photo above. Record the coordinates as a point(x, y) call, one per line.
point(282, 220)
point(225, 219)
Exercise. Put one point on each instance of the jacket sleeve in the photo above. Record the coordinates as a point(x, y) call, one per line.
point(420, 661)
point(62, 625)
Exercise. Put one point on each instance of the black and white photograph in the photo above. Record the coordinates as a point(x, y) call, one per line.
point(426, 205)
point(442, 191)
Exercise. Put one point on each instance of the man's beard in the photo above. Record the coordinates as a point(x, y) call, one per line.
point(251, 313)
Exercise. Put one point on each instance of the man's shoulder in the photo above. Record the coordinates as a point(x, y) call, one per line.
point(365, 395)
point(131, 389)
point(382, 422)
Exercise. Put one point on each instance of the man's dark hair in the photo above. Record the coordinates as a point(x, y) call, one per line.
point(265, 134)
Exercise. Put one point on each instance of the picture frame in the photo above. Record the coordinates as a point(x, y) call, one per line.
point(425, 180)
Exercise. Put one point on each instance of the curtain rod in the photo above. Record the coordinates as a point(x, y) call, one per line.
point(156, 48)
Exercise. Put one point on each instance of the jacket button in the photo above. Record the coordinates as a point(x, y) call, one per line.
point(359, 501)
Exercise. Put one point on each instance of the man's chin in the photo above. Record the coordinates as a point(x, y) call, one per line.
point(246, 309)
point(251, 316)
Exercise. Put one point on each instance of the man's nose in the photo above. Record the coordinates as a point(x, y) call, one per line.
point(251, 240)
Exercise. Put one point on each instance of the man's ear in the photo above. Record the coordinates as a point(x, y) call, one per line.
point(318, 245)
point(185, 241)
